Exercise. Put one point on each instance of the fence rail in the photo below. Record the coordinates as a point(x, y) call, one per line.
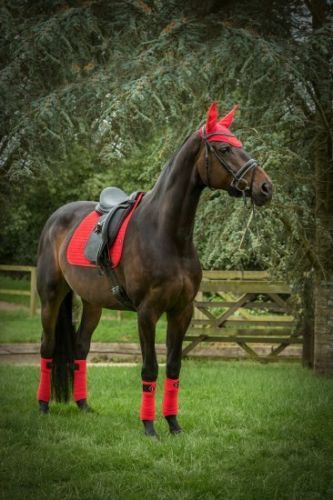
point(32, 293)
point(225, 307)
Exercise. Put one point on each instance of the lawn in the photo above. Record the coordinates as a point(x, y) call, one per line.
point(251, 432)
point(16, 324)
point(15, 283)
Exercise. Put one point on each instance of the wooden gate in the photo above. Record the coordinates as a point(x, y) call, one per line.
point(243, 307)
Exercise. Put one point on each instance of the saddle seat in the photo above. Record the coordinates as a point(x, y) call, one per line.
point(110, 197)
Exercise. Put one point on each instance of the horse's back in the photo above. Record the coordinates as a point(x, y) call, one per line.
point(63, 220)
point(65, 215)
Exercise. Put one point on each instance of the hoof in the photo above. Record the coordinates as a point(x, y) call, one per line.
point(83, 406)
point(174, 426)
point(149, 429)
point(176, 432)
point(44, 408)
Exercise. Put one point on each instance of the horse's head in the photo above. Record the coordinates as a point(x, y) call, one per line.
point(223, 164)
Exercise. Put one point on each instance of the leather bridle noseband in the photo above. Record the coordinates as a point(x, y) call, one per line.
point(238, 182)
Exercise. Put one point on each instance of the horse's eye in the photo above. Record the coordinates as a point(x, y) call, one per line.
point(225, 149)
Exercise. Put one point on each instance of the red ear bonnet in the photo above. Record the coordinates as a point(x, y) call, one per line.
point(218, 131)
point(229, 118)
point(211, 120)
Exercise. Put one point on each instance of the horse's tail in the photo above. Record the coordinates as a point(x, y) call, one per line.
point(63, 356)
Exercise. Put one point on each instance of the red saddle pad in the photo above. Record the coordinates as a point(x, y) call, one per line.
point(77, 244)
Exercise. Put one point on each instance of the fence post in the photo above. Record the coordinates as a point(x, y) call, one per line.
point(33, 291)
point(198, 314)
point(308, 321)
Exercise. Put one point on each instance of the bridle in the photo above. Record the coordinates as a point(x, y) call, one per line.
point(238, 181)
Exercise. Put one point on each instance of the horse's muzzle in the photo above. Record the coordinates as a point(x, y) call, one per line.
point(263, 194)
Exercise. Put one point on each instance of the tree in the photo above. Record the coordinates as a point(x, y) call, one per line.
point(120, 84)
point(322, 92)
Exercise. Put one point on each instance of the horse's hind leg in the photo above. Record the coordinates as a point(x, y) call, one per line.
point(177, 325)
point(90, 318)
point(52, 293)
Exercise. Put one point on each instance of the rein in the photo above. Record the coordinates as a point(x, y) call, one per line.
point(238, 182)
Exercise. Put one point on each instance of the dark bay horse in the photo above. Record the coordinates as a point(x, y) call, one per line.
point(159, 270)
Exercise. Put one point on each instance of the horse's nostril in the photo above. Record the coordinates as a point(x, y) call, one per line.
point(266, 188)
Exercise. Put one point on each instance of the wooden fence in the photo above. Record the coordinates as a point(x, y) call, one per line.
point(232, 307)
point(32, 293)
point(243, 307)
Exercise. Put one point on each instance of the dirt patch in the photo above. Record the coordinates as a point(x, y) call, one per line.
point(102, 352)
point(9, 306)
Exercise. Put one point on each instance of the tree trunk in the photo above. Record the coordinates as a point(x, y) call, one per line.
point(323, 345)
point(323, 348)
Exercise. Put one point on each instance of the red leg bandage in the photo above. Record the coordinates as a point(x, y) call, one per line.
point(44, 389)
point(170, 400)
point(80, 379)
point(148, 401)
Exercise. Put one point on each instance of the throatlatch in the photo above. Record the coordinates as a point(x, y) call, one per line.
point(170, 399)
point(147, 411)
point(44, 389)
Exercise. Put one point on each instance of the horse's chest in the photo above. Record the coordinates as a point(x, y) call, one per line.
point(179, 288)
point(157, 272)
point(189, 287)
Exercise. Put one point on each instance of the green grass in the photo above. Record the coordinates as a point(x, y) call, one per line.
point(251, 432)
point(18, 326)
point(15, 283)
point(10, 283)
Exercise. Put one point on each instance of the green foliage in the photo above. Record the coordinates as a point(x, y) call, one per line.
point(35, 197)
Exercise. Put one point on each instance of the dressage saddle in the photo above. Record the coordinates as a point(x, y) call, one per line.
point(114, 205)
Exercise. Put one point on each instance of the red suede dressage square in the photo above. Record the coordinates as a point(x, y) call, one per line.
point(75, 249)
point(76, 246)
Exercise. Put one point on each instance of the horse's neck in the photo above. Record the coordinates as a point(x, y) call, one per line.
point(176, 195)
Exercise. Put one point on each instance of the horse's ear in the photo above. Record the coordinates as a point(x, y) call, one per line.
point(212, 115)
point(229, 117)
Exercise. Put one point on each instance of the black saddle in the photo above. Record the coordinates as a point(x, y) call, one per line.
point(114, 205)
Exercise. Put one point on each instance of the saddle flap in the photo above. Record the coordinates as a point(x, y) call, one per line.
point(96, 241)
point(105, 231)
point(92, 248)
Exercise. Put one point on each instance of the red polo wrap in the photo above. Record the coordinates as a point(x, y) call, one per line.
point(147, 411)
point(80, 379)
point(170, 400)
point(44, 389)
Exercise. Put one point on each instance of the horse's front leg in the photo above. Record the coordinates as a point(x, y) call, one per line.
point(178, 323)
point(147, 320)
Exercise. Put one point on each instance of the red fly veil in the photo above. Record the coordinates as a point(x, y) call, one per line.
point(218, 130)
